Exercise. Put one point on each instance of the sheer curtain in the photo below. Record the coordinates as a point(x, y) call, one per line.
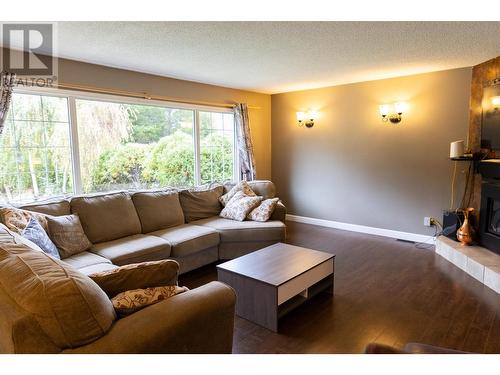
point(244, 142)
point(6, 84)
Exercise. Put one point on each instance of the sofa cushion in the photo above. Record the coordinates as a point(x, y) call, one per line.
point(245, 231)
point(67, 233)
point(201, 204)
point(107, 217)
point(188, 239)
point(133, 249)
point(263, 188)
point(101, 267)
point(68, 306)
point(158, 210)
point(85, 259)
point(50, 208)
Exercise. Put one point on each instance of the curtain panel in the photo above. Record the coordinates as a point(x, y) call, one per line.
point(244, 143)
point(6, 85)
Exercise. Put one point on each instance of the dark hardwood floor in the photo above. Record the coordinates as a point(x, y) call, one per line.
point(386, 291)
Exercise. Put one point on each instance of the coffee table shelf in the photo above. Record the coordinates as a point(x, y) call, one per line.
point(324, 285)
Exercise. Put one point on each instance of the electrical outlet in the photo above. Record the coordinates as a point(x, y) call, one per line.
point(427, 221)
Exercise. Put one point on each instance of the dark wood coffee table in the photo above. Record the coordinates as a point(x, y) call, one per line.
point(272, 281)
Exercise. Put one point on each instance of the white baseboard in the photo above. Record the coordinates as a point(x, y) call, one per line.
point(363, 229)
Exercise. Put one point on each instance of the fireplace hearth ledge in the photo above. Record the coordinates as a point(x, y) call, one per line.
point(480, 263)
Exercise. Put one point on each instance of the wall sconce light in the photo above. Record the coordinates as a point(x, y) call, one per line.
point(393, 112)
point(495, 101)
point(307, 118)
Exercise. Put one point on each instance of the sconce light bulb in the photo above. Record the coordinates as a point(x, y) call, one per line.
point(300, 116)
point(495, 101)
point(400, 107)
point(312, 115)
point(384, 110)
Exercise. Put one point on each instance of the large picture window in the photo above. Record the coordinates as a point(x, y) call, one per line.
point(109, 145)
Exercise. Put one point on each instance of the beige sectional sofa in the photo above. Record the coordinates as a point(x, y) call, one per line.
point(132, 227)
point(52, 306)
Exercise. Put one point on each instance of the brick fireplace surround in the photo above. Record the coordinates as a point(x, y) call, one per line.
point(477, 261)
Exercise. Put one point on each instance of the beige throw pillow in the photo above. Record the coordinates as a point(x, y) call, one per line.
point(264, 211)
point(239, 206)
point(16, 219)
point(67, 234)
point(242, 186)
point(131, 301)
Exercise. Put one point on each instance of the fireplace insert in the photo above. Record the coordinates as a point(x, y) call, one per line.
point(489, 226)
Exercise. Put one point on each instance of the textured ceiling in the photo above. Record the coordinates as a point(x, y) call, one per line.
point(274, 57)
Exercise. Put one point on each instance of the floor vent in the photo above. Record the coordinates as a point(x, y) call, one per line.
point(407, 241)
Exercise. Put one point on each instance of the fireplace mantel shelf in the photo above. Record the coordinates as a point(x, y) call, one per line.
point(480, 263)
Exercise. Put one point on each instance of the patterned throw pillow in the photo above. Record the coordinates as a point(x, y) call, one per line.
point(67, 234)
point(16, 219)
point(131, 301)
point(264, 211)
point(35, 233)
point(239, 206)
point(8, 237)
point(242, 186)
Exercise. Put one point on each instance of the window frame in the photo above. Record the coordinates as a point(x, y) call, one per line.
point(72, 96)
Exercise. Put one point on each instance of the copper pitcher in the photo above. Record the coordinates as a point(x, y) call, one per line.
point(465, 234)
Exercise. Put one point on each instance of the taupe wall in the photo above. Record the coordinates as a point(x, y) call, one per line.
point(351, 167)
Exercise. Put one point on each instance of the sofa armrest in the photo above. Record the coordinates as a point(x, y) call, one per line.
point(279, 212)
point(137, 276)
point(197, 321)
